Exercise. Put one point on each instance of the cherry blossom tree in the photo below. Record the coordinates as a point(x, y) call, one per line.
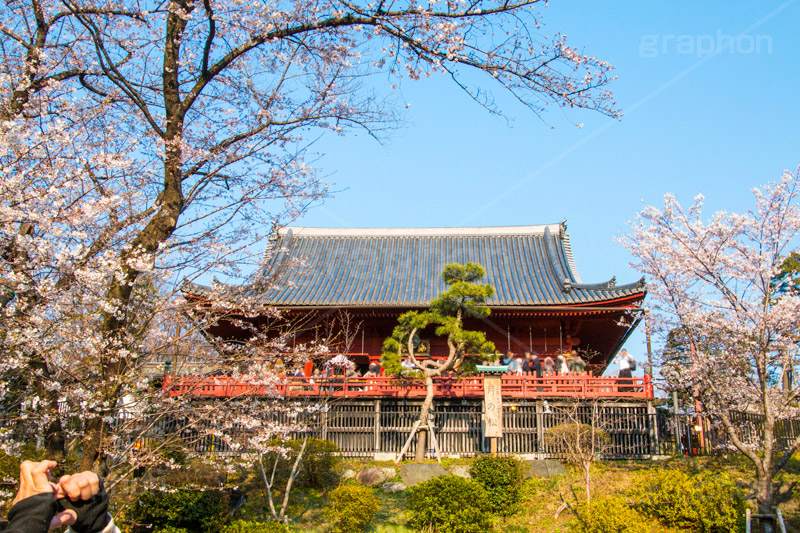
point(145, 143)
point(712, 288)
point(464, 298)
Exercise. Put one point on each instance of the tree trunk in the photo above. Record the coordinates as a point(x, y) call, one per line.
point(92, 449)
point(764, 501)
point(762, 462)
point(587, 478)
point(423, 419)
point(422, 443)
point(157, 231)
point(55, 440)
point(764, 475)
point(292, 476)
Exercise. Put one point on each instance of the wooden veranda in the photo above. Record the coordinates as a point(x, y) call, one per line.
point(578, 386)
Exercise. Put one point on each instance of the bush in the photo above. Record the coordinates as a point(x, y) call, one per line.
point(318, 469)
point(609, 515)
point(450, 503)
point(501, 478)
point(193, 510)
point(170, 529)
point(706, 501)
point(244, 526)
point(351, 508)
point(320, 462)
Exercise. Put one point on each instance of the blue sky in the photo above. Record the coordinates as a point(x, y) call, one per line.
point(710, 93)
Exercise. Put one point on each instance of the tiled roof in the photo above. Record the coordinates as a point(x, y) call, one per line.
point(401, 267)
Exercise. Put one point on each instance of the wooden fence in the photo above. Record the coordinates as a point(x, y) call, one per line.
point(379, 428)
point(712, 439)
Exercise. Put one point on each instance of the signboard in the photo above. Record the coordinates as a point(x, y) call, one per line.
point(493, 406)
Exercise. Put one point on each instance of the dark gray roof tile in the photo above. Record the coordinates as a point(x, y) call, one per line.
point(401, 267)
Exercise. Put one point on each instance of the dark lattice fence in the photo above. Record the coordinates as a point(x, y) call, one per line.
point(680, 434)
point(369, 427)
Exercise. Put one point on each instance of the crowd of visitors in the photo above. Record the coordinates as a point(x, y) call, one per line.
point(565, 363)
point(530, 364)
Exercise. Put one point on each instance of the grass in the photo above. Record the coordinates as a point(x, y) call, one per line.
point(543, 496)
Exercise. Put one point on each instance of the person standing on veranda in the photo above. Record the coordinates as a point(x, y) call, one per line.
point(513, 365)
point(561, 364)
point(627, 364)
point(577, 365)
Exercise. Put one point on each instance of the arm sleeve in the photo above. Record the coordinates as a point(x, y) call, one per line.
point(92, 514)
point(110, 527)
point(32, 515)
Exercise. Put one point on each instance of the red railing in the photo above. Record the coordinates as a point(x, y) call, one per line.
point(513, 386)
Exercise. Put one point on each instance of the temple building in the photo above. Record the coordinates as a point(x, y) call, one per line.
point(540, 301)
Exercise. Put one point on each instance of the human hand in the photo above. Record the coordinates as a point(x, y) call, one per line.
point(34, 478)
point(76, 487)
point(83, 498)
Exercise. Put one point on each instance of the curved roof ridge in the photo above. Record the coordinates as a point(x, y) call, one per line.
point(302, 231)
point(570, 258)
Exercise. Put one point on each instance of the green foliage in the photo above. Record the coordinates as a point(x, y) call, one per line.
point(317, 470)
point(244, 526)
point(501, 478)
point(320, 462)
point(9, 464)
point(791, 265)
point(175, 453)
point(463, 293)
point(450, 503)
point(787, 280)
point(351, 508)
point(464, 297)
point(193, 510)
point(609, 515)
point(706, 501)
point(170, 529)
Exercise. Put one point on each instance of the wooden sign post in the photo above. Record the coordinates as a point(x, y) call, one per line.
point(492, 410)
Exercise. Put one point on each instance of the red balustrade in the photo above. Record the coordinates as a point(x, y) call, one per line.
point(513, 386)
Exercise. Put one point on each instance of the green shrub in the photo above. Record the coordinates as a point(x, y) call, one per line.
point(170, 529)
point(317, 470)
point(501, 478)
point(706, 501)
point(244, 526)
point(609, 515)
point(320, 463)
point(193, 510)
point(351, 508)
point(450, 504)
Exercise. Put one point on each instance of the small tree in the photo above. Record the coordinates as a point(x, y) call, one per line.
point(464, 297)
point(269, 479)
point(581, 443)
